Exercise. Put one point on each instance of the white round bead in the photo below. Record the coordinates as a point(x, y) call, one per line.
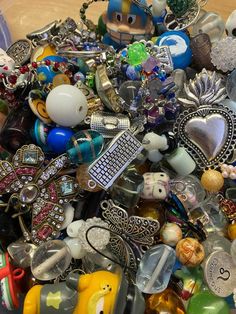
point(75, 247)
point(66, 105)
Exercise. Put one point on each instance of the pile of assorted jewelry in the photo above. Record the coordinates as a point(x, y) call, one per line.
point(118, 162)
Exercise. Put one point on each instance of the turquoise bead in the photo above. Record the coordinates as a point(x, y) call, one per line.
point(85, 146)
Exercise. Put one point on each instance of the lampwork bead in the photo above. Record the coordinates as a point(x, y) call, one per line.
point(232, 231)
point(137, 54)
point(171, 234)
point(190, 252)
point(166, 302)
point(212, 180)
point(85, 146)
point(66, 105)
point(156, 186)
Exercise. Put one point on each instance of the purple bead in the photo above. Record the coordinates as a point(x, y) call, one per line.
point(150, 64)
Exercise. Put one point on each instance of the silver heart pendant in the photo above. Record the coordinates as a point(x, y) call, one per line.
point(208, 134)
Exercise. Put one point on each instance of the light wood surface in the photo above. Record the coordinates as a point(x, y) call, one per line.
point(24, 16)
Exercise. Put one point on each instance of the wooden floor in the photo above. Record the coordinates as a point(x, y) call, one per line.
point(24, 16)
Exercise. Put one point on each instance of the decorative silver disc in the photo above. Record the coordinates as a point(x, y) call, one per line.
point(220, 273)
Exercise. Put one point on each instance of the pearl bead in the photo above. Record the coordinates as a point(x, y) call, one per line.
point(225, 174)
point(232, 175)
point(76, 248)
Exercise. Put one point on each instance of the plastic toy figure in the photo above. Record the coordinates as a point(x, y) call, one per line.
point(100, 292)
point(127, 21)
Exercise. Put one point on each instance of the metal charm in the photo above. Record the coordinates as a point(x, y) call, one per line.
point(109, 125)
point(106, 91)
point(220, 273)
point(20, 51)
point(133, 234)
point(208, 134)
point(206, 89)
point(174, 23)
point(37, 190)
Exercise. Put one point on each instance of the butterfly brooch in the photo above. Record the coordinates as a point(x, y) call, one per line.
point(39, 189)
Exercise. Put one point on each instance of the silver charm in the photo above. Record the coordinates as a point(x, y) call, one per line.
point(20, 51)
point(220, 273)
point(108, 124)
point(206, 89)
point(134, 234)
point(208, 134)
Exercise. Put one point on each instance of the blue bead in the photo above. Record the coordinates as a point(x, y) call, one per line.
point(85, 146)
point(46, 73)
point(179, 44)
point(58, 138)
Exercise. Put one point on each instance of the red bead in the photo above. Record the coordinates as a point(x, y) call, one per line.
point(12, 79)
point(47, 62)
point(25, 67)
point(56, 65)
point(34, 65)
point(22, 70)
point(2, 76)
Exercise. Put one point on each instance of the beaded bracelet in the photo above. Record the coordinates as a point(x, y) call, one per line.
point(10, 81)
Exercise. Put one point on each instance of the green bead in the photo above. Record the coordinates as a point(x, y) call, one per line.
point(137, 54)
point(207, 303)
point(90, 80)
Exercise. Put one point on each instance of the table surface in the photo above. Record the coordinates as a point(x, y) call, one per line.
point(24, 16)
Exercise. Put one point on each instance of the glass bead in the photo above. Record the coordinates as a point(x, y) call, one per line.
point(166, 302)
point(206, 303)
point(85, 146)
point(85, 181)
point(171, 234)
point(210, 23)
point(216, 242)
point(58, 138)
point(127, 189)
point(155, 269)
point(137, 54)
point(50, 260)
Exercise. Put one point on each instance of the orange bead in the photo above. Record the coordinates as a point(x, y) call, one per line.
point(232, 231)
point(212, 180)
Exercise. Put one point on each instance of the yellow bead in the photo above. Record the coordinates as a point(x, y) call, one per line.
point(232, 231)
point(212, 180)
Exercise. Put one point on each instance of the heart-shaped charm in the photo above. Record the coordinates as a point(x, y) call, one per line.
point(208, 134)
